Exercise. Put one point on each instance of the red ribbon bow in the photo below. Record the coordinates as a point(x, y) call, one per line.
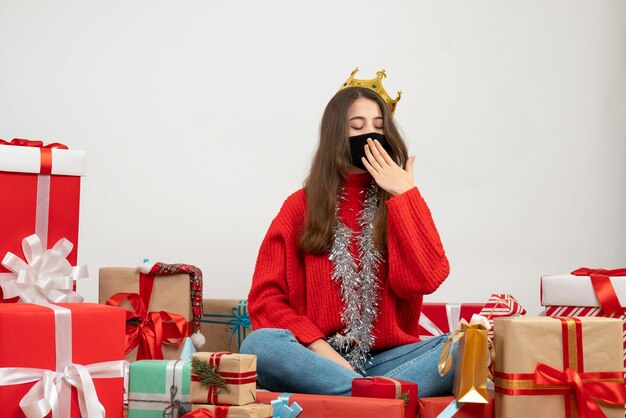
point(603, 288)
point(46, 151)
point(150, 330)
point(610, 392)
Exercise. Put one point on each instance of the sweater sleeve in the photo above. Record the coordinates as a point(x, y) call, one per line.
point(268, 300)
point(417, 261)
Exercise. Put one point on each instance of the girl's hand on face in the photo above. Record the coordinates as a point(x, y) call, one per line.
point(387, 174)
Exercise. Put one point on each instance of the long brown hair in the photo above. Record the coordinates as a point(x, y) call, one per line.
point(330, 164)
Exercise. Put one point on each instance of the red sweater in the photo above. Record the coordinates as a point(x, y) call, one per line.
point(294, 290)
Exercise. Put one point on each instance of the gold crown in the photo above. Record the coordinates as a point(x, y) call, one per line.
point(375, 84)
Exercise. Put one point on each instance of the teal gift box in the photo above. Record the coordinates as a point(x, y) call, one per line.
point(159, 388)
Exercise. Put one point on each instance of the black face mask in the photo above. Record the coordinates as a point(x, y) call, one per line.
point(357, 147)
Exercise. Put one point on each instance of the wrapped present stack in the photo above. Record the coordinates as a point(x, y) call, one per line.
point(587, 292)
point(224, 384)
point(58, 356)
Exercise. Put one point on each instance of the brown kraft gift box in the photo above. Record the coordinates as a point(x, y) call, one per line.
point(233, 378)
point(543, 365)
point(170, 293)
point(225, 324)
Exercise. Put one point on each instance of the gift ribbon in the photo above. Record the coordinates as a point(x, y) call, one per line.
point(239, 321)
point(445, 360)
point(450, 410)
point(453, 315)
point(172, 402)
point(45, 165)
point(603, 287)
point(52, 391)
point(585, 387)
point(45, 276)
point(148, 271)
point(230, 378)
point(149, 330)
point(282, 409)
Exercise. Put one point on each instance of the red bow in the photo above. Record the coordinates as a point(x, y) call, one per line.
point(46, 151)
point(603, 288)
point(611, 392)
point(150, 330)
point(27, 143)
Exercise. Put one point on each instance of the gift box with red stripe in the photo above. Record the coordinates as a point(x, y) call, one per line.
point(586, 311)
point(40, 194)
point(441, 318)
point(385, 387)
point(223, 378)
point(500, 305)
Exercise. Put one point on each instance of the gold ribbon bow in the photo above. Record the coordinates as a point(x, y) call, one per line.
point(445, 360)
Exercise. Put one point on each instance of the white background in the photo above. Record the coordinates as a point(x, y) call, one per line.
point(201, 117)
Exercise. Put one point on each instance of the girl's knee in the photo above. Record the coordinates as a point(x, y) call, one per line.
point(262, 339)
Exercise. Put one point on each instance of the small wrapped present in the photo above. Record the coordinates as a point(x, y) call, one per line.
point(225, 323)
point(321, 406)
point(40, 192)
point(441, 318)
point(500, 305)
point(63, 358)
point(447, 406)
point(159, 388)
point(385, 387)
point(160, 287)
point(586, 287)
point(470, 373)
point(223, 378)
point(252, 410)
point(559, 367)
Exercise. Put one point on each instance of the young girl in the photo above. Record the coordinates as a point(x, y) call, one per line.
point(338, 285)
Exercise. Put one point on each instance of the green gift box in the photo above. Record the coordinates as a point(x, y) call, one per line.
point(159, 388)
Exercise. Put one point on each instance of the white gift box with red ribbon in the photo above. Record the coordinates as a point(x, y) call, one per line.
point(40, 194)
point(580, 289)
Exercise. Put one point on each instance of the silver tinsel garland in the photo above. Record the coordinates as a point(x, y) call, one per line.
point(359, 287)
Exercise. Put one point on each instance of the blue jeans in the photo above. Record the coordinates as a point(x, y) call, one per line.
point(285, 365)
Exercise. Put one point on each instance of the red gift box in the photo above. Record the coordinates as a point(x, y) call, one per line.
point(327, 406)
point(384, 387)
point(433, 407)
point(440, 318)
point(78, 346)
point(40, 191)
